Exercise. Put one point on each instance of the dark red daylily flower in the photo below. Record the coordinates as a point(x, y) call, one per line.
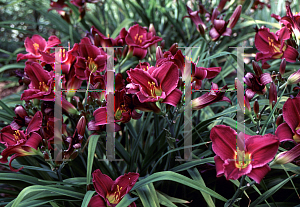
point(256, 83)
point(21, 143)
point(41, 85)
point(222, 27)
point(37, 45)
point(138, 40)
point(110, 192)
point(290, 131)
point(157, 83)
point(210, 97)
point(194, 16)
point(291, 21)
point(90, 59)
point(251, 160)
point(273, 46)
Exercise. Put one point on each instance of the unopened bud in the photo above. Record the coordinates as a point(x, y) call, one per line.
point(272, 94)
point(159, 53)
point(152, 29)
point(256, 107)
point(279, 120)
point(273, 75)
point(282, 66)
point(174, 48)
point(235, 17)
point(162, 44)
point(288, 156)
point(294, 78)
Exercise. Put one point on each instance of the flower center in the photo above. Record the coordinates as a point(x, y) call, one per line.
point(36, 46)
point(242, 159)
point(43, 86)
point(274, 46)
point(17, 135)
point(138, 38)
point(155, 91)
point(92, 65)
point(116, 197)
point(118, 114)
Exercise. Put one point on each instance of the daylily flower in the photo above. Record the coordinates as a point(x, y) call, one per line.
point(194, 16)
point(256, 83)
point(251, 159)
point(157, 83)
point(273, 46)
point(290, 131)
point(287, 156)
point(41, 85)
point(21, 143)
point(90, 59)
point(37, 45)
point(110, 192)
point(210, 97)
point(291, 21)
point(138, 40)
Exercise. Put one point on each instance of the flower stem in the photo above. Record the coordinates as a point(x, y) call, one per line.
point(238, 192)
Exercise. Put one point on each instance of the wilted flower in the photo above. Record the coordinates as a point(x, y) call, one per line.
point(256, 83)
point(251, 160)
point(110, 192)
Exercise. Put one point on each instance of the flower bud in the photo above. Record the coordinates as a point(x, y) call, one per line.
point(20, 111)
point(282, 66)
point(235, 83)
point(125, 50)
point(256, 68)
point(152, 29)
point(288, 156)
point(235, 17)
point(279, 120)
point(221, 5)
point(256, 107)
point(294, 78)
point(159, 53)
point(273, 75)
point(247, 106)
point(162, 44)
point(81, 126)
point(174, 48)
point(272, 94)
